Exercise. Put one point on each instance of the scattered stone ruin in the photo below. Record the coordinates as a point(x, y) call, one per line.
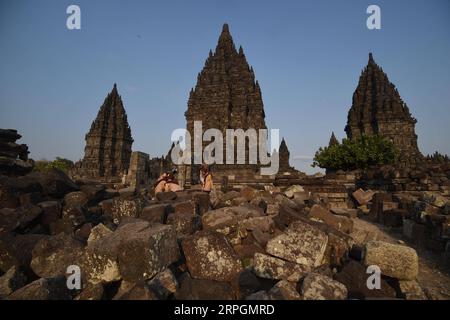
point(255, 244)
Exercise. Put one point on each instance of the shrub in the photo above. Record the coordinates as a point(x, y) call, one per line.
point(58, 163)
point(40, 165)
point(356, 154)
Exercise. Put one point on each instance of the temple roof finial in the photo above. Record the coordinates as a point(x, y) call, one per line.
point(225, 41)
point(333, 140)
point(225, 28)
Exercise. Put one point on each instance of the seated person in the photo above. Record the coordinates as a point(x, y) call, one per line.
point(160, 185)
point(206, 178)
point(172, 184)
point(167, 182)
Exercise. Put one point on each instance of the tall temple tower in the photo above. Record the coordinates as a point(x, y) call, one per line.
point(108, 142)
point(377, 108)
point(226, 96)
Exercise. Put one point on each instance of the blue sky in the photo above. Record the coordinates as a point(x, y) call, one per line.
point(307, 57)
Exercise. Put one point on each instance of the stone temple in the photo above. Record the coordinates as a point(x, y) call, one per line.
point(284, 155)
point(226, 96)
point(108, 142)
point(377, 108)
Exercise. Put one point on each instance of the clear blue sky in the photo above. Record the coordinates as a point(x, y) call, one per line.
point(307, 56)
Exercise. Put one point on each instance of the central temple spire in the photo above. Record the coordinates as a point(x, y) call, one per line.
point(225, 43)
point(227, 88)
point(226, 95)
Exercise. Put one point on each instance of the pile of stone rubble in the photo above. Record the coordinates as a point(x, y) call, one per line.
point(243, 244)
point(423, 217)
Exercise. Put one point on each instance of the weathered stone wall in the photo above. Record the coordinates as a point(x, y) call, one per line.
point(139, 171)
point(13, 156)
point(423, 177)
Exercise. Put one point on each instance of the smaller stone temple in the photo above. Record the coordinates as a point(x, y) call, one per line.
point(108, 142)
point(333, 140)
point(284, 154)
point(287, 175)
point(377, 108)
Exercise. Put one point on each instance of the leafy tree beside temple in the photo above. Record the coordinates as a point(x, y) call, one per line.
point(359, 153)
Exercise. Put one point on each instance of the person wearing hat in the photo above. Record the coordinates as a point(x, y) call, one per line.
point(206, 180)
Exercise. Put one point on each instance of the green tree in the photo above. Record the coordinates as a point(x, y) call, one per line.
point(356, 154)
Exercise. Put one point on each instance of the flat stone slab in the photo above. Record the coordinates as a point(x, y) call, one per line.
point(319, 287)
point(209, 256)
point(396, 261)
point(300, 243)
point(349, 213)
point(269, 267)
